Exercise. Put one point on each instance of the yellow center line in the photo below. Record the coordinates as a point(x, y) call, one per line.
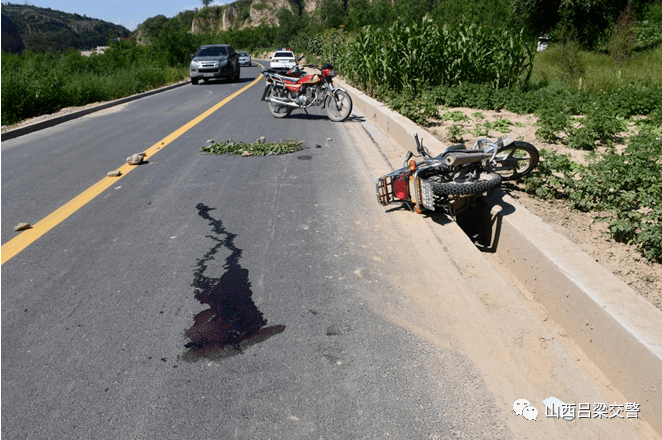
point(27, 237)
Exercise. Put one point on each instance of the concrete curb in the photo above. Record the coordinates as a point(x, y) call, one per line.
point(618, 330)
point(10, 134)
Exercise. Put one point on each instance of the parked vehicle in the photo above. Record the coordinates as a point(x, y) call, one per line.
point(245, 59)
point(214, 61)
point(283, 60)
point(452, 180)
point(284, 94)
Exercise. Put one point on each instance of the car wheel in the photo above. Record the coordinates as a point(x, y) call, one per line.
point(194, 81)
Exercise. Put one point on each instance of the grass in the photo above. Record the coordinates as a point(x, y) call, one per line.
point(34, 84)
point(601, 74)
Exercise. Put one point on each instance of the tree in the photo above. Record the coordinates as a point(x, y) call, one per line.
point(206, 3)
point(332, 14)
point(359, 14)
point(622, 42)
point(589, 21)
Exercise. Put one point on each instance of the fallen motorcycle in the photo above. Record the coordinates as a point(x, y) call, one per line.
point(286, 93)
point(452, 180)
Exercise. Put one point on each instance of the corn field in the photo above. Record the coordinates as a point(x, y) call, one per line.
point(407, 58)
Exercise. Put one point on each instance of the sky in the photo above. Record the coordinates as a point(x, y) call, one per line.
point(128, 13)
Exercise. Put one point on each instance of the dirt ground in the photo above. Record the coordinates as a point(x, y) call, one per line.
point(621, 259)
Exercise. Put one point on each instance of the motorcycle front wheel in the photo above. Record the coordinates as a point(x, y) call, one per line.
point(516, 160)
point(457, 187)
point(339, 106)
point(278, 110)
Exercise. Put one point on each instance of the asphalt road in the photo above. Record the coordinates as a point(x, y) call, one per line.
point(128, 319)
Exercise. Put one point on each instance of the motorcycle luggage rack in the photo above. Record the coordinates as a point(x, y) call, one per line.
point(385, 194)
point(386, 191)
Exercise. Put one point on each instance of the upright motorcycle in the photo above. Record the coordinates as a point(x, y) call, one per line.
point(286, 93)
point(452, 180)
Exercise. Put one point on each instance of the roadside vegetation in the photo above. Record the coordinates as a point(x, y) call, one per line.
point(34, 83)
point(598, 85)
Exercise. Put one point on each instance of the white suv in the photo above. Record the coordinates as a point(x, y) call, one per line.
point(283, 60)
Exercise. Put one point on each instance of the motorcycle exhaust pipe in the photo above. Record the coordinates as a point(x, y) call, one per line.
point(278, 101)
point(456, 159)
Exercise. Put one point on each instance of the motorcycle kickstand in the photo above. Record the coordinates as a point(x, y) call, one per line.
point(306, 110)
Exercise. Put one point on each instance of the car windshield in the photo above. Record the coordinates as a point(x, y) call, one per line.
point(212, 51)
point(243, 54)
point(283, 55)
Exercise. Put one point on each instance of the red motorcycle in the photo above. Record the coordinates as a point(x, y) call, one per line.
point(452, 180)
point(285, 93)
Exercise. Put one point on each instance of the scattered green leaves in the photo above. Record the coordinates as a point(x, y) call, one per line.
point(258, 148)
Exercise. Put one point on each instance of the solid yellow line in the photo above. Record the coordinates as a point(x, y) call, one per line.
point(27, 237)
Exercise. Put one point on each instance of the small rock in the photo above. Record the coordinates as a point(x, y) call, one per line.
point(210, 141)
point(262, 139)
point(22, 226)
point(329, 139)
point(115, 173)
point(246, 153)
point(135, 159)
point(318, 146)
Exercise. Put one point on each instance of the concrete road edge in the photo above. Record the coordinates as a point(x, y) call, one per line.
point(620, 331)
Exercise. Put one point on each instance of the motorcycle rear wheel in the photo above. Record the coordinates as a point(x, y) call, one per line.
point(465, 187)
point(516, 160)
point(278, 110)
point(339, 107)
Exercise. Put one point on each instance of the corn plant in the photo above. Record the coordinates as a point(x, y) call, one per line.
point(424, 55)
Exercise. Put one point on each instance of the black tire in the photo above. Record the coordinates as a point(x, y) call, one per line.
point(486, 182)
point(278, 110)
point(237, 76)
point(194, 81)
point(339, 107)
point(516, 160)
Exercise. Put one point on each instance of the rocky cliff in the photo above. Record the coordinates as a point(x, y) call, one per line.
point(248, 13)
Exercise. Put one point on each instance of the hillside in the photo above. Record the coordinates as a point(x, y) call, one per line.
point(240, 14)
point(44, 29)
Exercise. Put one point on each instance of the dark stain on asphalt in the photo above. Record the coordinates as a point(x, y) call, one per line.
point(304, 157)
point(232, 322)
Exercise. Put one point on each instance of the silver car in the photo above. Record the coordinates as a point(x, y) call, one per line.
point(213, 61)
point(245, 59)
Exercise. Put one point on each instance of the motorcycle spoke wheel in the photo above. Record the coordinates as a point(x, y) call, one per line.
point(516, 160)
point(278, 110)
point(339, 106)
point(486, 182)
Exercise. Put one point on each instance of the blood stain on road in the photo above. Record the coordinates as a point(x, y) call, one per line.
point(232, 322)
